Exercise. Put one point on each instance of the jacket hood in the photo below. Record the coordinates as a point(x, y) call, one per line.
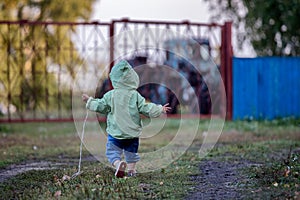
point(123, 76)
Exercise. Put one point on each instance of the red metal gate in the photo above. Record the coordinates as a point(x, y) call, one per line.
point(40, 60)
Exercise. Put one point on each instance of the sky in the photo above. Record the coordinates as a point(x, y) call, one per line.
point(169, 10)
point(194, 10)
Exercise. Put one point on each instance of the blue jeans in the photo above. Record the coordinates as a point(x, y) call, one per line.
point(115, 148)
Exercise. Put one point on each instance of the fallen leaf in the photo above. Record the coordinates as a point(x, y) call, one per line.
point(77, 187)
point(57, 180)
point(65, 178)
point(287, 171)
point(57, 193)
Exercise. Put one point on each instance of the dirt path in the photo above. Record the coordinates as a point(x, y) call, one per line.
point(20, 168)
point(220, 180)
point(16, 169)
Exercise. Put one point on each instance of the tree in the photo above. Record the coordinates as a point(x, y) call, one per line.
point(28, 51)
point(42, 10)
point(272, 26)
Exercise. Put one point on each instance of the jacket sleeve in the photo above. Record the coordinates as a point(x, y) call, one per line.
point(99, 105)
point(148, 109)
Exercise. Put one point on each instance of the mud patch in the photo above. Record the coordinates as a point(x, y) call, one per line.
point(16, 169)
point(220, 180)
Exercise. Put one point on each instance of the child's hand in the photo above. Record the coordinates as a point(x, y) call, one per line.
point(166, 108)
point(85, 97)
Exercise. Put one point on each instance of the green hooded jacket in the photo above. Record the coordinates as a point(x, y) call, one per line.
point(123, 105)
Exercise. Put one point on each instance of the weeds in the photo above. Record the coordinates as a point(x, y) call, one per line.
point(278, 177)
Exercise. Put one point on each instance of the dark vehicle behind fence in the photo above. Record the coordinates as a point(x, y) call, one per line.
point(191, 59)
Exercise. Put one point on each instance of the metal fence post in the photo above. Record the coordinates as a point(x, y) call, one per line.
point(8, 75)
point(226, 66)
point(111, 48)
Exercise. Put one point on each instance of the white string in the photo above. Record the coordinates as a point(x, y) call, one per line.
point(81, 143)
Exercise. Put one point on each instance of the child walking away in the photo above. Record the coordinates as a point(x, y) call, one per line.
point(123, 106)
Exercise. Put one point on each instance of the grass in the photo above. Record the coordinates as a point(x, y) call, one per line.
point(98, 182)
point(267, 143)
point(20, 142)
point(56, 141)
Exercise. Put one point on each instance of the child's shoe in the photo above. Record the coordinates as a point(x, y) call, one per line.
point(120, 171)
point(131, 173)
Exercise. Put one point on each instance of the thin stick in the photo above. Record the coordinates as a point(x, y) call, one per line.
point(81, 144)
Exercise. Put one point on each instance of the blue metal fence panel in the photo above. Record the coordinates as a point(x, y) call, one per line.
point(266, 88)
point(244, 87)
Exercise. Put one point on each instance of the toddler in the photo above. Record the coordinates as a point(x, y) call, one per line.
point(123, 106)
